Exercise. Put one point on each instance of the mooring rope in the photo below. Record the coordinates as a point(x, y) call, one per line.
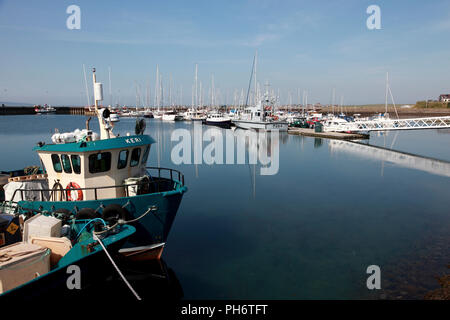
point(95, 237)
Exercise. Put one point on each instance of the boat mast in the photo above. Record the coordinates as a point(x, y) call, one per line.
point(196, 87)
point(256, 83)
point(110, 91)
point(387, 87)
point(98, 96)
point(87, 90)
point(332, 100)
point(157, 88)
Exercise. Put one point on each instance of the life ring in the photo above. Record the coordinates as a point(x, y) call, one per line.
point(72, 193)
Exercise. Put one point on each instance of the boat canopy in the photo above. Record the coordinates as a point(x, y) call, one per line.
point(97, 145)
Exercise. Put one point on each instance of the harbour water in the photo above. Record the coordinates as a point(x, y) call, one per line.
point(308, 232)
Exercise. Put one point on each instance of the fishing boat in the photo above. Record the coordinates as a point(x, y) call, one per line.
point(260, 117)
point(193, 115)
point(218, 119)
point(45, 109)
point(171, 116)
point(54, 247)
point(103, 176)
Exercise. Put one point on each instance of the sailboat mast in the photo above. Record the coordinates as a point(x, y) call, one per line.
point(110, 91)
point(157, 88)
point(256, 83)
point(196, 87)
point(87, 90)
point(387, 87)
point(332, 102)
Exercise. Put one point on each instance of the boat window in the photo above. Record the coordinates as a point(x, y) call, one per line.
point(66, 163)
point(76, 163)
point(56, 163)
point(123, 159)
point(100, 162)
point(135, 155)
point(145, 156)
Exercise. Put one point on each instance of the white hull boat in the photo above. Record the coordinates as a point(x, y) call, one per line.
point(261, 125)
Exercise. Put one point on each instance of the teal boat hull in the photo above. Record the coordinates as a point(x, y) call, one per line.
point(153, 228)
point(93, 264)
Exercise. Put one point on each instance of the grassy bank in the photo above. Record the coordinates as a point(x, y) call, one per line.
point(432, 104)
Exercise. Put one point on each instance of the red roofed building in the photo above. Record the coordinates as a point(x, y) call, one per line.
point(444, 98)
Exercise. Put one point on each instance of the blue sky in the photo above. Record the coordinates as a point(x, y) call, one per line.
point(307, 45)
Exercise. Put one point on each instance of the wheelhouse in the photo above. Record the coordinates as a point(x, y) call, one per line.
point(96, 166)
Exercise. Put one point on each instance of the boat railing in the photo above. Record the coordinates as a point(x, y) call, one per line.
point(156, 183)
point(171, 172)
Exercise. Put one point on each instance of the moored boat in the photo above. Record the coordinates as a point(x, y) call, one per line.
point(103, 176)
point(260, 117)
point(171, 116)
point(44, 109)
point(56, 256)
point(218, 119)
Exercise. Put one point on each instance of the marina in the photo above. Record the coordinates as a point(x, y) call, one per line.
point(223, 160)
point(247, 252)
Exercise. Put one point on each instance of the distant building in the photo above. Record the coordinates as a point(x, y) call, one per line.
point(444, 98)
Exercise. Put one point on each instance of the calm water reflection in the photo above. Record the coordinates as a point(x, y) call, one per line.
point(308, 232)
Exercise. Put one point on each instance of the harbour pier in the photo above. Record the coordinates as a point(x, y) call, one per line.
point(328, 135)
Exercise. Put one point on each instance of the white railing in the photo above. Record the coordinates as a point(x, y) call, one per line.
point(390, 124)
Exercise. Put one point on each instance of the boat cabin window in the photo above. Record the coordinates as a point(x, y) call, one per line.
point(56, 163)
point(145, 156)
point(135, 155)
point(100, 162)
point(66, 163)
point(76, 163)
point(123, 159)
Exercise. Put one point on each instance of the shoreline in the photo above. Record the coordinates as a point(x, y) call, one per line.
point(364, 111)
